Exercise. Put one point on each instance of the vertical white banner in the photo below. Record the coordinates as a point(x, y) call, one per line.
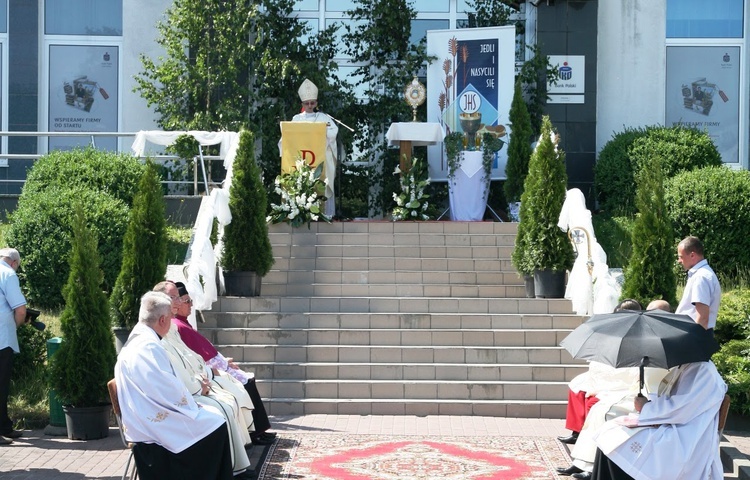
point(473, 77)
point(83, 93)
point(703, 92)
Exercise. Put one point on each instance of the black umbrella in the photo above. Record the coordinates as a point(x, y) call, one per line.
point(638, 338)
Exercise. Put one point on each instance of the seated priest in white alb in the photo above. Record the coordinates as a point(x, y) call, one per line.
point(308, 95)
point(173, 437)
point(673, 436)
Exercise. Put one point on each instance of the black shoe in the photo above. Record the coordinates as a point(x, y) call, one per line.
point(570, 439)
point(268, 435)
point(260, 440)
point(584, 475)
point(568, 471)
point(13, 434)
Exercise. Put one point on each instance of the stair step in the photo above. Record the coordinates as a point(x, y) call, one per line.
point(385, 290)
point(392, 305)
point(490, 408)
point(399, 277)
point(390, 264)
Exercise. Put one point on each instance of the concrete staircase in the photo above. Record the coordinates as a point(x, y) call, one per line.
point(418, 318)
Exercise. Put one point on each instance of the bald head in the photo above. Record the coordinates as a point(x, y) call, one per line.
point(659, 305)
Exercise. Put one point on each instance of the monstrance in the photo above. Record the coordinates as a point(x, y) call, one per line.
point(415, 95)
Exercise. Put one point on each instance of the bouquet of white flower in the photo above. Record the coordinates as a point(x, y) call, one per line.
point(301, 196)
point(412, 203)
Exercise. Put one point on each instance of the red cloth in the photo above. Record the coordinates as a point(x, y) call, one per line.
point(578, 407)
point(194, 340)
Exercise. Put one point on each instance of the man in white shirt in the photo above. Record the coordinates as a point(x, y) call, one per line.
point(12, 315)
point(702, 294)
point(174, 437)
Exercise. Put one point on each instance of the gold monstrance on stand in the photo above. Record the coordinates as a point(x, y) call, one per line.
point(415, 95)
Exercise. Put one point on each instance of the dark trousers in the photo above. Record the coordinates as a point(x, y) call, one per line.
point(207, 459)
point(260, 417)
point(606, 469)
point(6, 369)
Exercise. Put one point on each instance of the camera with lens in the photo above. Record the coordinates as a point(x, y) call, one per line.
point(31, 319)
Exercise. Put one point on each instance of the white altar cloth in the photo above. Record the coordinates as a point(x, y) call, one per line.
point(418, 133)
point(467, 192)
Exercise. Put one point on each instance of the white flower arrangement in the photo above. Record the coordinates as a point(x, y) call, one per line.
point(412, 203)
point(302, 196)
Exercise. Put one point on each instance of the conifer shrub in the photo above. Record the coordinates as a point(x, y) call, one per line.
point(713, 204)
point(117, 174)
point(40, 228)
point(540, 243)
point(650, 272)
point(519, 147)
point(247, 247)
point(85, 361)
point(613, 173)
point(144, 258)
point(733, 321)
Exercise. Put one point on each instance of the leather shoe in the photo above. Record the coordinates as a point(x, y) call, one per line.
point(268, 434)
point(5, 440)
point(13, 434)
point(568, 471)
point(260, 440)
point(570, 439)
point(584, 475)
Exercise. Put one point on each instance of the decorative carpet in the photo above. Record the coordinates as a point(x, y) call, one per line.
point(376, 457)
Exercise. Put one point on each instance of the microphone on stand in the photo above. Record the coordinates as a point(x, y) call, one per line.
point(316, 110)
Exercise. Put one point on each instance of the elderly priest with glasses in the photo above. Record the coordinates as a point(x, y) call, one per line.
point(174, 437)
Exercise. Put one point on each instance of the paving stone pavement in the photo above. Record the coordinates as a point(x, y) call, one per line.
point(40, 456)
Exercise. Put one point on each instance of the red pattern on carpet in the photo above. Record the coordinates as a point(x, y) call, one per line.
point(325, 456)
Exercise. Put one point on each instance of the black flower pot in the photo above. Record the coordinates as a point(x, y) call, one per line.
point(528, 281)
point(87, 423)
point(549, 284)
point(121, 336)
point(242, 284)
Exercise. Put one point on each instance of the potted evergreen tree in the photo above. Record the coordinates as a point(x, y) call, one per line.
point(519, 151)
point(541, 246)
point(144, 256)
point(247, 255)
point(85, 361)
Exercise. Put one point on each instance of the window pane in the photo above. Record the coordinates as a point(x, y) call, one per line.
point(698, 19)
point(419, 28)
point(3, 16)
point(306, 5)
point(431, 5)
point(338, 5)
point(83, 17)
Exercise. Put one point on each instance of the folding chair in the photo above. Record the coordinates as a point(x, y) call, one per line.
point(723, 412)
point(130, 470)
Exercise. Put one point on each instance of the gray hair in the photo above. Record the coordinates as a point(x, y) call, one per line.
point(154, 305)
point(11, 254)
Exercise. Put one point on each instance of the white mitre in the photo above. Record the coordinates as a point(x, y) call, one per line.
point(308, 91)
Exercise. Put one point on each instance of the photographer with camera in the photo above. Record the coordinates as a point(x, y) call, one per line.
point(12, 315)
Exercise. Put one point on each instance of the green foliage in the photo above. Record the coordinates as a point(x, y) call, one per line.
point(614, 234)
point(733, 322)
point(144, 259)
point(519, 147)
point(536, 73)
point(377, 40)
point(491, 13)
point(85, 361)
point(540, 243)
point(650, 273)
point(41, 231)
point(622, 158)
point(353, 190)
point(247, 246)
point(33, 352)
point(115, 174)
point(713, 204)
point(453, 145)
point(733, 363)
point(613, 173)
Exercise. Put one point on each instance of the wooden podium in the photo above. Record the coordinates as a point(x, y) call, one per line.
point(406, 135)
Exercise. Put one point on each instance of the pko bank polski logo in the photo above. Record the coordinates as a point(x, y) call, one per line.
point(565, 72)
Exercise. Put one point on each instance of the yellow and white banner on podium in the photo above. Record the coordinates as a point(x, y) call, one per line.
point(302, 139)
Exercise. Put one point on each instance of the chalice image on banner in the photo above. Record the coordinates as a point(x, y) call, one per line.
point(470, 124)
